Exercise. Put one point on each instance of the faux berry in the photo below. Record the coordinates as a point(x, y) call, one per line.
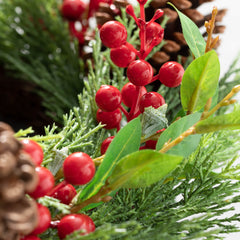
point(129, 93)
point(110, 119)
point(34, 150)
point(72, 222)
point(171, 73)
point(122, 56)
point(78, 168)
point(44, 220)
point(65, 194)
point(105, 144)
point(113, 34)
point(73, 9)
point(140, 72)
point(154, 33)
point(153, 99)
point(108, 98)
point(30, 237)
point(45, 183)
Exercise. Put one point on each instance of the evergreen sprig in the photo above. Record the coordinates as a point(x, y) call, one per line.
point(33, 48)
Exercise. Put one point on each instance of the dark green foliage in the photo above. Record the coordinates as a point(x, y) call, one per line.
point(35, 45)
point(188, 206)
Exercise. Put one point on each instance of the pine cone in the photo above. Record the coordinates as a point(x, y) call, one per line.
point(18, 214)
point(107, 12)
point(175, 43)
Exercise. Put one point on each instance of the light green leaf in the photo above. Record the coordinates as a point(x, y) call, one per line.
point(226, 121)
point(191, 34)
point(153, 120)
point(125, 142)
point(142, 168)
point(200, 81)
point(189, 144)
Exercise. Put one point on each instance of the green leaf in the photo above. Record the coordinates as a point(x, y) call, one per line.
point(153, 120)
point(142, 168)
point(191, 34)
point(226, 121)
point(125, 142)
point(200, 81)
point(189, 144)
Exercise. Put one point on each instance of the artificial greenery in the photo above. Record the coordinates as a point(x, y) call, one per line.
point(199, 180)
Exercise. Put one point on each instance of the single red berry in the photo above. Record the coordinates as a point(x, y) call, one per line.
point(108, 98)
point(154, 33)
point(65, 194)
point(153, 99)
point(30, 237)
point(113, 34)
point(78, 168)
point(45, 183)
point(140, 72)
point(110, 119)
point(122, 56)
point(150, 144)
point(79, 34)
point(44, 220)
point(105, 144)
point(73, 9)
point(73, 222)
point(34, 150)
point(171, 73)
point(129, 93)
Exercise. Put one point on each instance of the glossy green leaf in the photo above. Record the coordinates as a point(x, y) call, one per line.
point(189, 144)
point(142, 168)
point(125, 142)
point(226, 121)
point(191, 34)
point(153, 120)
point(200, 81)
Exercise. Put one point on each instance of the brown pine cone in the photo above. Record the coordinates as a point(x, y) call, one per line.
point(18, 214)
point(175, 43)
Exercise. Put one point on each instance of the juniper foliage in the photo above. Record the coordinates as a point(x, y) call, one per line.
point(188, 204)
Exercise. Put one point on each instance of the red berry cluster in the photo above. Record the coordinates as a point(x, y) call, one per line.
point(139, 72)
point(79, 14)
point(78, 169)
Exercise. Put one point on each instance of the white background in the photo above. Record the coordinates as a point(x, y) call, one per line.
point(228, 51)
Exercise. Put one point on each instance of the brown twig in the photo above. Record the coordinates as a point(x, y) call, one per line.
point(209, 25)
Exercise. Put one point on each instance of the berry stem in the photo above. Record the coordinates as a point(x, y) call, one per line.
point(142, 34)
point(135, 106)
point(155, 78)
point(124, 111)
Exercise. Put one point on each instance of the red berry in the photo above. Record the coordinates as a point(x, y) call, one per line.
point(153, 99)
point(150, 144)
point(78, 168)
point(113, 34)
point(154, 33)
point(140, 72)
point(108, 98)
point(72, 222)
point(34, 150)
point(45, 183)
point(30, 237)
point(171, 73)
point(44, 220)
point(110, 119)
point(122, 56)
point(73, 9)
point(129, 93)
point(65, 194)
point(105, 144)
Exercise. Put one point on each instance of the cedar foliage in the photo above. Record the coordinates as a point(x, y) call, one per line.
point(177, 208)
